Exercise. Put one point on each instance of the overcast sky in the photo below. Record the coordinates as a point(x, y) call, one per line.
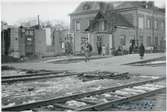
point(13, 11)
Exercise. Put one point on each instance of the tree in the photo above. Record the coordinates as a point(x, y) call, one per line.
point(27, 22)
point(57, 25)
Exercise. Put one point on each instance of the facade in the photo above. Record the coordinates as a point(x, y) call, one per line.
point(56, 46)
point(118, 24)
point(30, 41)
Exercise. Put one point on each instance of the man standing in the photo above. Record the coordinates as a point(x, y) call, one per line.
point(99, 47)
point(141, 50)
point(87, 50)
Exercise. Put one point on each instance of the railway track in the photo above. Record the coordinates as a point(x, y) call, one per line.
point(35, 76)
point(96, 100)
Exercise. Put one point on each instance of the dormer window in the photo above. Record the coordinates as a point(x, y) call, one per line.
point(86, 7)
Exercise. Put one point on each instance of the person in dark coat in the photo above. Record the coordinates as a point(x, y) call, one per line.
point(141, 50)
point(130, 49)
point(87, 51)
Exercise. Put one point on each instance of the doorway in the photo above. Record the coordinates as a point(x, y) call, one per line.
point(99, 44)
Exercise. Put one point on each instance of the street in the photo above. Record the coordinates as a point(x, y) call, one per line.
point(112, 64)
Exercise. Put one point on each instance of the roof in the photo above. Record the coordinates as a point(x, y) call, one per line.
point(139, 4)
point(97, 5)
point(112, 18)
point(93, 6)
point(117, 18)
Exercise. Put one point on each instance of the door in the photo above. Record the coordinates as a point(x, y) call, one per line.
point(29, 43)
point(99, 44)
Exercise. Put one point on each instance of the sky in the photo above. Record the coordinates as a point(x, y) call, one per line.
point(13, 11)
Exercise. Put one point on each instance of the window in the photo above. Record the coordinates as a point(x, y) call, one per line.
point(102, 25)
point(83, 41)
point(89, 22)
point(148, 24)
point(27, 32)
point(31, 32)
point(105, 25)
point(77, 26)
point(86, 7)
point(156, 41)
point(149, 41)
point(122, 40)
point(29, 39)
point(141, 22)
point(156, 24)
point(162, 25)
point(62, 45)
point(141, 39)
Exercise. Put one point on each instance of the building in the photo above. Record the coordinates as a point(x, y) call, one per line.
point(31, 41)
point(56, 41)
point(118, 24)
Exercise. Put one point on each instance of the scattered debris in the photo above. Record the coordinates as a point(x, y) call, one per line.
point(9, 105)
point(103, 75)
point(7, 68)
point(73, 103)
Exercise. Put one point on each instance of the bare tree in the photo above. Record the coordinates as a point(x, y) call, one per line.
point(58, 25)
point(27, 22)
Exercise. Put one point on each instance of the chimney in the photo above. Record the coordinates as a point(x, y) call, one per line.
point(150, 4)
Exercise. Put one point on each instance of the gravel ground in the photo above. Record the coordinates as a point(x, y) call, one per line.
point(153, 103)
point(50, 88)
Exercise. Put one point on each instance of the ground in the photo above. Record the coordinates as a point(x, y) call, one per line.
point(113, 64)
point(69, 85)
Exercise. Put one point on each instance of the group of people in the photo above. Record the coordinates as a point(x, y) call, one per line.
point(87, 49)
point(141, 50)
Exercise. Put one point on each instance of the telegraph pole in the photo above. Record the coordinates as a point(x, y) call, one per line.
point(38, 22)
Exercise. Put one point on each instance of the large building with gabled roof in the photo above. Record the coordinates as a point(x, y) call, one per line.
point(117, 25)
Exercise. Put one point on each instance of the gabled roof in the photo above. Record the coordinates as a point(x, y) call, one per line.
point(139, 4)
point(112, 18)
point(93, 6)
point(117, 19)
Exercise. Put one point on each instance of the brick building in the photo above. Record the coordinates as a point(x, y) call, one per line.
point(118, 24)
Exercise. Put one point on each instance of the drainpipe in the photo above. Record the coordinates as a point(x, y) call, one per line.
point(153, 27)
point(136, 28)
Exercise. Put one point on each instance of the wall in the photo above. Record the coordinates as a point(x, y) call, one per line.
point(59, 38)
point(129, 34)
point(14, 42)
point(83, 19)
point(40, 42)
point(22, 42)
point(152, 32)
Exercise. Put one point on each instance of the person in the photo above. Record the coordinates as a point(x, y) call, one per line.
point(103, 50)
point(119, 50)
point(130, 49)
point(141, 50)
point(87, 49)
point(99, 47)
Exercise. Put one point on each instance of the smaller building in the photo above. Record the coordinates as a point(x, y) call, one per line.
point(55, 41)
point(32, 41)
